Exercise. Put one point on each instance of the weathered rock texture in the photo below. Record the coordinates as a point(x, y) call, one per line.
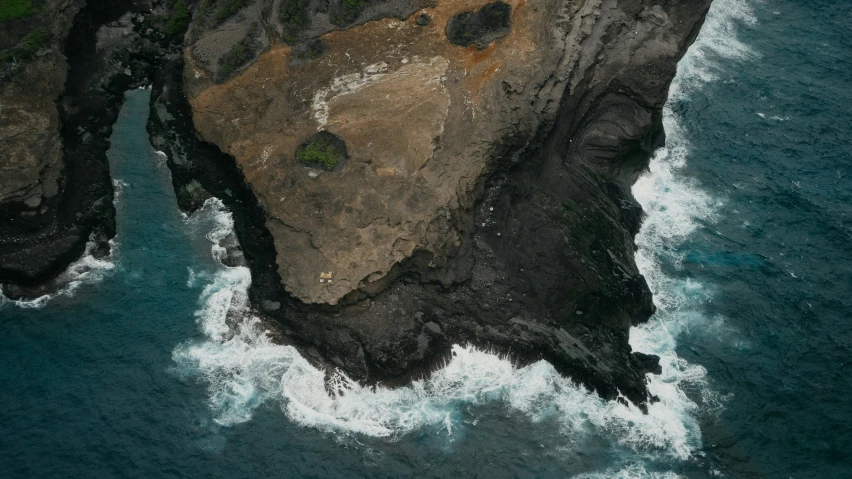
point(423, 120)
point(487, 194)
point(63, 74)
point(32, 77)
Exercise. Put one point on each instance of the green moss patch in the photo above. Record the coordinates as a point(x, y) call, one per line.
point(238, 56)
point(179, 19)
point(323, 150)
point(13, 59)
point(294, 18)
point(15, 9)
point(348, 12)
point(228, 9)
point(35, 41)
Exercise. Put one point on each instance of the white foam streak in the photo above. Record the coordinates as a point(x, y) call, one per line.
point(676, 207)
point(86, 270)
point(245, 369)
point(718, 40)
point(217, 220)
point(632, 471)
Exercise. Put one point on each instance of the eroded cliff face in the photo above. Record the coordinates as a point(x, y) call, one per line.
point(32, 76)
point(486, 197)
point(64, 67)
point(422, 120)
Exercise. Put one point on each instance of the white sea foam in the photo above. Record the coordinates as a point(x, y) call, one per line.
point(632, 471)
point(245, 369)
point(86, 270)
point(676, 207)
point(118, 187)
point(162, 158)
point(718, 40)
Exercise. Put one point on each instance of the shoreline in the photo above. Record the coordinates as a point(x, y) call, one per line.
point(500, 318)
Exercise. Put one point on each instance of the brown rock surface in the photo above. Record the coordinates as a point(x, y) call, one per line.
point(486, 200)
point(486, 197)
point(30, 142)
point(422, 119)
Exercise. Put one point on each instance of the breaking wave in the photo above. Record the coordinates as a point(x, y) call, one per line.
point(245, 369)
point(675, 207)
point(89, 269)
point(86, 270)
point(632, 471)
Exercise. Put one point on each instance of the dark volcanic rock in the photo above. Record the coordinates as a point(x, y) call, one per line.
point(537, 258)
point(533, 157)
point(39, 239)
point(110, 47)
point(224, 44)
point(423, 20)
point(481, 27)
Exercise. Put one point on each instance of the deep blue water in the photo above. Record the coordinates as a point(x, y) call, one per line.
point(136, 370)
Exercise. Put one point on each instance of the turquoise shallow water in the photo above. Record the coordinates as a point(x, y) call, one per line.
point(137, 371)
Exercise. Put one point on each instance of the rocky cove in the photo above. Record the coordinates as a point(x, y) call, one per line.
point(485, 198)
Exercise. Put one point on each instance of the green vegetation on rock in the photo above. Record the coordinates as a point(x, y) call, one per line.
point(294, 18)
point(15, 9)
point(228, 10)
point(34, 41)
point(179, 20)
point(323, 150)
point(234, 59)
point(349, 12)
point(241, 54)
point(308, 50)
point(25, 50)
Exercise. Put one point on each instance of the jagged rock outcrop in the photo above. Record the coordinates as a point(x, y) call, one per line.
point(32, 77)
point(482, 196)
point(65, 67)
point(486, 197)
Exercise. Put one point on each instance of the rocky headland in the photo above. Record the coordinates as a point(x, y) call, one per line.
point(404, 174)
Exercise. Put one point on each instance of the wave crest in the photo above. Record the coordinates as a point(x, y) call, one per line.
point(245, 369)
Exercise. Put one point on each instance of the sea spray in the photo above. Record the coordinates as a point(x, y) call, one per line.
point(86, 270)
point(244, 369)
point(631, 471)
point(675, 208)
point(89, 269)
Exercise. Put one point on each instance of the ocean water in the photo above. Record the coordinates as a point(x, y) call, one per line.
point(136, 370)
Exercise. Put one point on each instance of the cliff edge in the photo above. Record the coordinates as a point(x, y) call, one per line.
point(482, 192)
point(404, 174)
